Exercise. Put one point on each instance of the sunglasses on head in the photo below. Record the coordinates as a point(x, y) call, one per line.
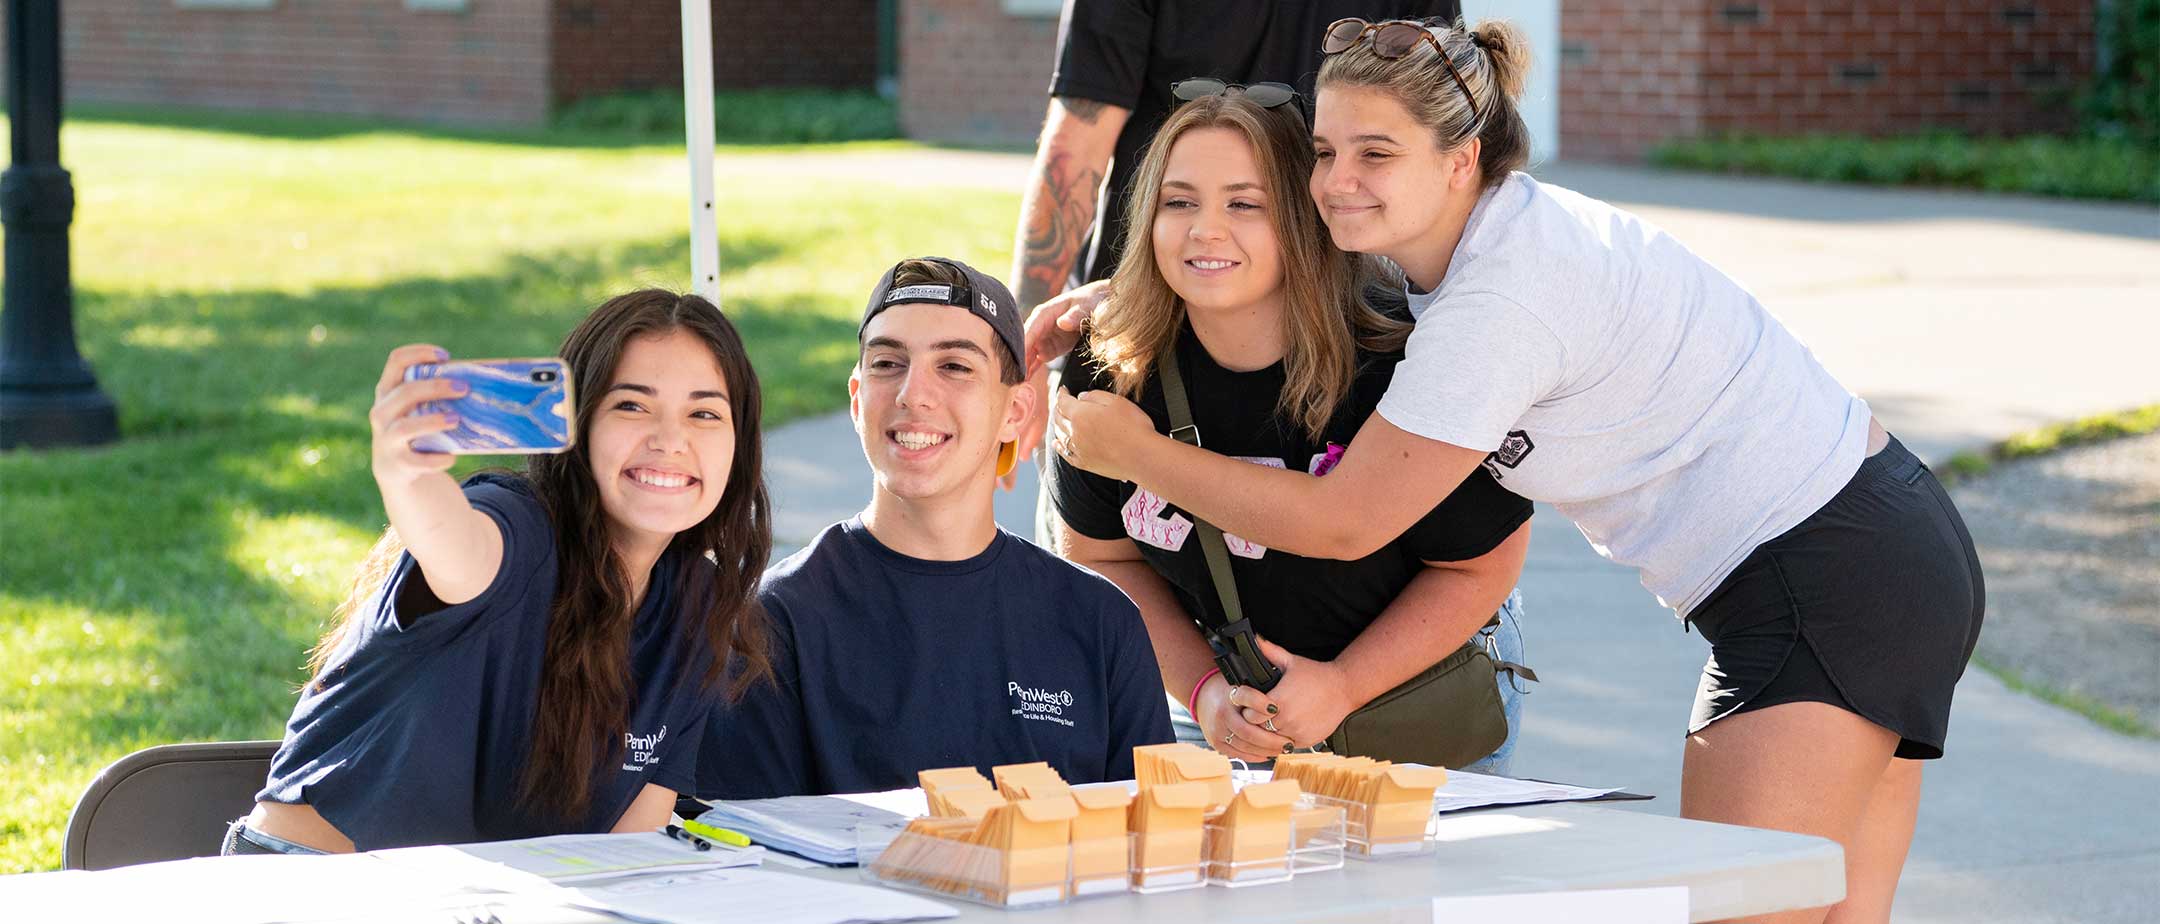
point(1265, 95)
point(1393, 39)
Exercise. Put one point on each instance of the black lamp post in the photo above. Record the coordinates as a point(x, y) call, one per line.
point(48, 397)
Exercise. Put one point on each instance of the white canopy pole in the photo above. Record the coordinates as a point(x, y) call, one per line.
point(697, 69)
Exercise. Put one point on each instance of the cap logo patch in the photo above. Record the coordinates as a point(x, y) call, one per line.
point(989, 307)
point(920, 293)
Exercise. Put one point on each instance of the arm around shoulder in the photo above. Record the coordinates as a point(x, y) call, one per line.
point(1386, 480)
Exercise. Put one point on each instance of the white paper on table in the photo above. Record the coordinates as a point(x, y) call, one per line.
point(1469, 790)
point(906, 803)
point(516, 865)
point(1476, 790)
point(1663, 905)
point(823, 828)
point(731, 895)
point(234, 890)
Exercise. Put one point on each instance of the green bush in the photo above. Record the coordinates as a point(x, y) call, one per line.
point(2081, 168)
point(2123, 99)
point(742, 117)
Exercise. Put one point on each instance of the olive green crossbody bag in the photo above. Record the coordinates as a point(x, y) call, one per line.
point(1448, 715)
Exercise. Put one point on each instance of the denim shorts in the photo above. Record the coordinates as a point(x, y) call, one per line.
point(1872, 604)
point(243, 841)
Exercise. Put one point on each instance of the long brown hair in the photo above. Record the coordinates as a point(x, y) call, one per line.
point(1493, 59)
point(1324, 319)
point(583, 711)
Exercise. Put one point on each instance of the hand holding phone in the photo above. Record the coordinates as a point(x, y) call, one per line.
point(509, 406)
point(395, 425)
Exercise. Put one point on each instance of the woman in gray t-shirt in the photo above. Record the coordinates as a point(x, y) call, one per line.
point(1584, 358)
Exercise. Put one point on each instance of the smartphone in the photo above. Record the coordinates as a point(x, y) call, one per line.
point(516, 406)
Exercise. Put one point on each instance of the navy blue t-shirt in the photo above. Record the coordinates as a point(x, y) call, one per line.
point(420, 729)
point(886, 665)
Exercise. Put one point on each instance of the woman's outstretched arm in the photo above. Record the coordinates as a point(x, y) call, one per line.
point(458, 548)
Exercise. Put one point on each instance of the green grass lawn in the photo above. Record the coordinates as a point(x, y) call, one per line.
point(238, 282)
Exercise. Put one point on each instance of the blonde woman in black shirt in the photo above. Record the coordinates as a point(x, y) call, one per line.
point(1235, 279)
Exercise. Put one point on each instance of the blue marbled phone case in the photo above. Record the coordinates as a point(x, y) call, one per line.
point(515, 406)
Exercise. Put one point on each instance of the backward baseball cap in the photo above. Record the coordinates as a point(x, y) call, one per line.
point(982, 296)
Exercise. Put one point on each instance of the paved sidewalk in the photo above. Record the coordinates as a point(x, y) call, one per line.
point(1962, 319)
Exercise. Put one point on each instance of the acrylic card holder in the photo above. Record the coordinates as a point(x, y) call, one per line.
point(940, 863)
point(1382, 832)
point(1167, 837)
point(1250, 842)
point(1387, 807)
point(1101, 848)
point(1317, 837)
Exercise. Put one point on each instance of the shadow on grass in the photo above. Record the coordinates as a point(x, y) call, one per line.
point(181, 362)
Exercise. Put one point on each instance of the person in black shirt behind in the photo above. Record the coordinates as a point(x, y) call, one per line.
point(919, 635)
point(1236, 280)
point(1110, 92)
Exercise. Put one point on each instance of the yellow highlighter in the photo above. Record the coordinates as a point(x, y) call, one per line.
point(716, 834)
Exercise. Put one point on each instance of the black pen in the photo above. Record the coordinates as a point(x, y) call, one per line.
point(676, 832)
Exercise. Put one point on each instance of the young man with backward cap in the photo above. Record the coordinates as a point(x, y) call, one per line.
point(919, 634)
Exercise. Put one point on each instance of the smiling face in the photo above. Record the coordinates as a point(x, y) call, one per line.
point(662, 439)
point(1215, 242)
point(1382, 183)
point(929, 403)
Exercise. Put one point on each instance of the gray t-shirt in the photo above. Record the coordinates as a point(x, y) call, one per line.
point(1616, 375)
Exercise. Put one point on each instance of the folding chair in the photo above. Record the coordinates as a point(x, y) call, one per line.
point(168, 802)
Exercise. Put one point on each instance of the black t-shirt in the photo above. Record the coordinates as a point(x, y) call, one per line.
point(420, 731)
point(1128, 52)
point(1313, 607)
point(886, 665)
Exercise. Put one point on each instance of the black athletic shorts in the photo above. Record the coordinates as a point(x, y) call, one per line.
point(1871, 604)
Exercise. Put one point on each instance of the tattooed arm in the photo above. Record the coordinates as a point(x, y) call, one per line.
point(1078, 138)
point(1059, 205)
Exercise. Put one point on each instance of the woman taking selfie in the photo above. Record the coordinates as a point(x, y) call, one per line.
point(1584, 358)
point(534, 653)
point(1236, 289)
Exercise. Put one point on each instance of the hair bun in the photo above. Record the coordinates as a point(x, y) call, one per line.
point(1507, 49)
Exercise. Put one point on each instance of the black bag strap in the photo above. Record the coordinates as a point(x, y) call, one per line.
point(1211, 540)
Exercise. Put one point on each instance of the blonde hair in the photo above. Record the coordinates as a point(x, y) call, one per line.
point(1324, 319)
point(1493, 60)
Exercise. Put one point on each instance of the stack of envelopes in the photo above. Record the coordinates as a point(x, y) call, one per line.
point(1004, 846)
point(1101, 851)
point(1165, 820)
point(1383, 802)
point(1250, 840)
point(1180, 762)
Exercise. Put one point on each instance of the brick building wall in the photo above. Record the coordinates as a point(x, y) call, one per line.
point(1630, 74)
point(487, 64)
point(605, 46)
point(1633, 74)
point(492, 62)
point(970, 71)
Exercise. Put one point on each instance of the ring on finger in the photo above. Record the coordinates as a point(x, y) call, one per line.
point(1230, 740)
point(1234, 688)
point(1270, 725)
